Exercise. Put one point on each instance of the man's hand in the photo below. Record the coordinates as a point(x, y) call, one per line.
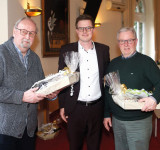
point(31, 96)
point(149, 104)
point(107, 123)
point(62, 114)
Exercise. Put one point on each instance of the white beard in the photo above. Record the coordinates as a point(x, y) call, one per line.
point(25, 45)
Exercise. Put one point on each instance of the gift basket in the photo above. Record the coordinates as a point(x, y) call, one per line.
point(48, 131)
point(125, 98)
point(64, 78)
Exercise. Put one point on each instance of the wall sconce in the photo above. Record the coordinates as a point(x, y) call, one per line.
point(97, 24)
point(30, 12)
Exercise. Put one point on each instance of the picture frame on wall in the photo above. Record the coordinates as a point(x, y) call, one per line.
point(55, 26)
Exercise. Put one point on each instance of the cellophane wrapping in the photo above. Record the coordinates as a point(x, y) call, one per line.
point(126, 98)
point(72, 60)
point(64, 78)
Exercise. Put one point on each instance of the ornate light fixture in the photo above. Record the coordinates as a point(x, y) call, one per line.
point(30, 12)
point(97, 24)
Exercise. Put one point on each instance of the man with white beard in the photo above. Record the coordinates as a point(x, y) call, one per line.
point(20, 68)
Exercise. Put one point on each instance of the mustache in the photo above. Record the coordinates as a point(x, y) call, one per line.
point(24, 45)
point(26, 40)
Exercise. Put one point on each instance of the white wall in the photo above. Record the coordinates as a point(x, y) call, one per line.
point(3, 21)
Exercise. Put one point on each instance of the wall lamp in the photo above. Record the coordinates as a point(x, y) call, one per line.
point(97, 24)
point(30, 12)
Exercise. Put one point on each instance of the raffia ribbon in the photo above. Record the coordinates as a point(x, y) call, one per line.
point(67, 70)
point(124, 88)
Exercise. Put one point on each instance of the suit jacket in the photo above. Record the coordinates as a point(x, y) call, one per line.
point(15, 115)
point(65, 100)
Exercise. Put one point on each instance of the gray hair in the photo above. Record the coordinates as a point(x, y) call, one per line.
point(125, 29)
point(25, 18)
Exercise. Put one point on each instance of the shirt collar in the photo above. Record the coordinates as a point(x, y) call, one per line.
point(81, 47)
point(129, 56)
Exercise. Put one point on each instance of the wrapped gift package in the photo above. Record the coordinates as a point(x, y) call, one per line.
point(56, 82)
point(48, 131)
point(125, 98)
point(129, 104)
point(64, 78)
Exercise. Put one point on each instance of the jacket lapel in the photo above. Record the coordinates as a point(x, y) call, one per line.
point(99, 58)
point(12, 50)
point(75, 49)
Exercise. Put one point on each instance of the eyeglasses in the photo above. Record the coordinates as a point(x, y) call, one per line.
point(25, 32)
point(82, 29)
point(129, 41)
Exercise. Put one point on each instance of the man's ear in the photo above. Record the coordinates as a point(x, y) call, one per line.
point(136, 40)
point(76, 31)
point(14, 32)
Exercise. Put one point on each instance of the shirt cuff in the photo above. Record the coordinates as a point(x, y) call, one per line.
point(52, 99)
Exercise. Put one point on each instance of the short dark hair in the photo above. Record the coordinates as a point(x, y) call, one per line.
point(84, 17)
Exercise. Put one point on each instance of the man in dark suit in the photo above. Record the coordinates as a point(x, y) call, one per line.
point(83, 111)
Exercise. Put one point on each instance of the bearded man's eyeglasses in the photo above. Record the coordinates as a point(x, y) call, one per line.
point(25, 32)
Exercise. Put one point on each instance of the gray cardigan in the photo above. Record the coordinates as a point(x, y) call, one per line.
point(15, 115)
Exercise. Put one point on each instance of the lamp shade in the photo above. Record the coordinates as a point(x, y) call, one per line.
point(33, 12)
point(30, 12)
point(97, 24)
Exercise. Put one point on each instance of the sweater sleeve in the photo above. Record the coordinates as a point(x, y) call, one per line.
point(107, 111)
point(106, 103)
point(153, 74)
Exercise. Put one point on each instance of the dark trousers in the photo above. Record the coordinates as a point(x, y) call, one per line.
point(85, 123)
point(12, 143)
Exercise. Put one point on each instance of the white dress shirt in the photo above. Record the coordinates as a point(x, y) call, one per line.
point(89, 75)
